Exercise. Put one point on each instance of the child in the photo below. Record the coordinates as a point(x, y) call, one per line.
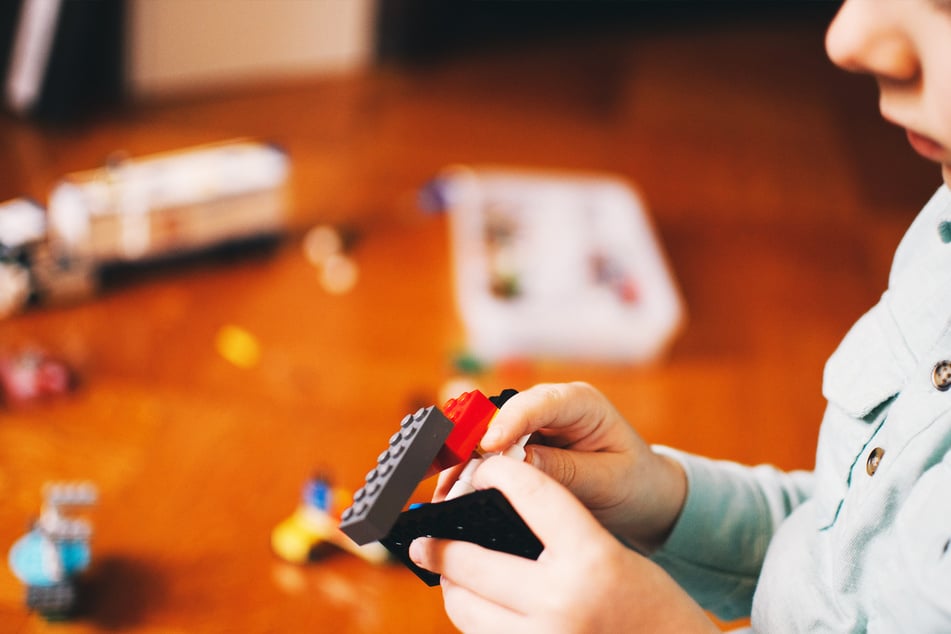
point(862, 543)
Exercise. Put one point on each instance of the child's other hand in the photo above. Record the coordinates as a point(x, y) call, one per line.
point(582, 441)
point(585, 580)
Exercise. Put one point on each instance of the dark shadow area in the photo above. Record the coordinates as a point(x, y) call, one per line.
point(116, 592)
point(254, 250)
point(420, 31)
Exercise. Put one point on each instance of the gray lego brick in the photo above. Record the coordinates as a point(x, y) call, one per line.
point(398, 472)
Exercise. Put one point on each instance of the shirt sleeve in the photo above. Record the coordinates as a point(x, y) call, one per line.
point(718, 544)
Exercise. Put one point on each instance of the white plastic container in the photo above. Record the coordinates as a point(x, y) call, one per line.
point(557, 265)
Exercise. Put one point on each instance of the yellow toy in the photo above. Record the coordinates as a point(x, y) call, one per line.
point(316, 522)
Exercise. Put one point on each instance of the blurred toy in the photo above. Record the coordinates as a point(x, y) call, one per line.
point(325, 248)
point(427, 442)
point(555, 265)
point(135, 212)
point(29, 274)
point(238, 346)
point(32, 375)
point(22, 227)
point(49, 558)
point(315, 523)
point(165, 205)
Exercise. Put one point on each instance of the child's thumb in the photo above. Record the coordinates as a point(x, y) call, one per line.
point(557, 463)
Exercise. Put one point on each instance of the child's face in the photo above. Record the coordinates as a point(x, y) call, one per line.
point(906, 46)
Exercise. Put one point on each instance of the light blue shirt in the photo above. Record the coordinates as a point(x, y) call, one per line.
point(863, 542)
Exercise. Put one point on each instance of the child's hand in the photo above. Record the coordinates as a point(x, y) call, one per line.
point(585, 444)
point(584, 581)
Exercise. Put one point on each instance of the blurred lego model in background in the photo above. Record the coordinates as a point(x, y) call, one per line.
point(49, 558)
point(136, 212)
point(30, 273)
point(158, 207)
point(22, 228)
point(314, 524)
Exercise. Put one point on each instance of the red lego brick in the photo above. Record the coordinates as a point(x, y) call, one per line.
point(470, 413)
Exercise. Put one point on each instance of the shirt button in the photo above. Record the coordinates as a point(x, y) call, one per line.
point(944, 230)
point(941, 375)
point(874, 458)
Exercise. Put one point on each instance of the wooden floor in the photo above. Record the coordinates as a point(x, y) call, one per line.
point(777, 192)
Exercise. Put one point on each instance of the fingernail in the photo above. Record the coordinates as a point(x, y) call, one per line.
point(531, 457)
point(416, 551)
point(491, 436)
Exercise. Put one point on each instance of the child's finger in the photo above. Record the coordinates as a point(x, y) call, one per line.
point(471, 612)
point(556, 516)
point(553, 514)
point(499, 578)
point(550, 406)
point(447, 478)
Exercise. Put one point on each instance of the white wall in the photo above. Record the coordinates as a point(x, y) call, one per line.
point(178, 46)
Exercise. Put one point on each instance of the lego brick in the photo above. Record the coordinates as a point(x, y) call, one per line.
point(484, 517)
point(502, 397)
point(399, 469)
point(470, 413)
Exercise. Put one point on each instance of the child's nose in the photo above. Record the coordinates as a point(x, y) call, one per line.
point(865, 37)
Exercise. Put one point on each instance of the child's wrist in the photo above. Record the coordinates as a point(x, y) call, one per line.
point(665, 500)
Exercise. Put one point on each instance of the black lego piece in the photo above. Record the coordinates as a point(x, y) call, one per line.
point(500, 399)
point(399, 469)
point(484, 517)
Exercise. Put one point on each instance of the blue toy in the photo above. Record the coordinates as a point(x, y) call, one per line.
point(48, 558)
